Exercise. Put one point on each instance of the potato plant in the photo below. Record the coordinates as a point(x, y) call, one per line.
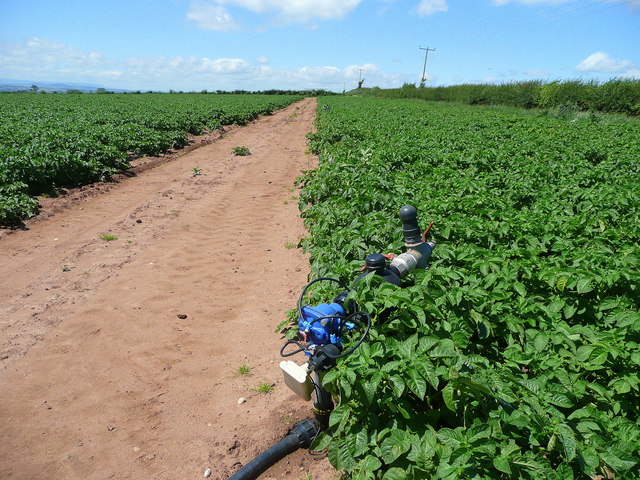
point(516, 355)
point(53, 141)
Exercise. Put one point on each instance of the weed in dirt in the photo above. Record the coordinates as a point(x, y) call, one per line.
point(243, 370)
point(307, 476)
point(286, 202)
point(108, 237)
point(129, 241)
point(66, 268)
point(264, 388)
point(195, 171)
point(240, 151)
point(288, 420)
point(290, 245)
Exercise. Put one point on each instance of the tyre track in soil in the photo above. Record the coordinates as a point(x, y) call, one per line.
point(99, 376)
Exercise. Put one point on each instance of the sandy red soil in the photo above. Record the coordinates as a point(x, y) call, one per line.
point(119, 359)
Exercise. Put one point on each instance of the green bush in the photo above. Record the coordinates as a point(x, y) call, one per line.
point(614, 96)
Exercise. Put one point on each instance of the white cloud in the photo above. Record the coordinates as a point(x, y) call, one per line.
point(47, 60)
point(214, 14)
point(602, 62)
point(429, 7)
point(632, 73)
point(44, 52)
point(262, 59)
point(208, 16)
point(353, 71)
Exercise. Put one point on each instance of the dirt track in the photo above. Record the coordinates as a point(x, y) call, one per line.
point(100, 378)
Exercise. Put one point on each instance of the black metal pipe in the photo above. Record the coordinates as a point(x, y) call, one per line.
point(301, 436)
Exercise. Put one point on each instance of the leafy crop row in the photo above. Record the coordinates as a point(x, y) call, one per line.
point(516, 355)
point(53, 141)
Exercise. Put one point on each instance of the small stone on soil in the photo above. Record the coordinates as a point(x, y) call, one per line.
point(241, 400)
point(182, 316)
point(207, 473)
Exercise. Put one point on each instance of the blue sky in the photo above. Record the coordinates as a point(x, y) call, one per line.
point(298, 44)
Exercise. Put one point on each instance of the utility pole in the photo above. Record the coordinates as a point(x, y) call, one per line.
point(424, 69)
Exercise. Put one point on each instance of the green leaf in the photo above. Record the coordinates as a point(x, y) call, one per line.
point(370, 463)
point(345, 458)
point(428, 372)
point(345, 386)
point(447, 396)
point(502, 464)
point(584, 285)
point(568, 439)
point(361, 444)
point(416, 383)
point(559, 399)
point(397, 384)
point(396, 444)
point(569, 311)
point(626, 319)
point(320, 442)
point(395, 473)
point(590, 459)
point(540, 341)
point(520, 288)
point(617, 463)
point(339, 415)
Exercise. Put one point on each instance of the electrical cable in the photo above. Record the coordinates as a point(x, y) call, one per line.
point(362, 338)
point(343, 322)
point(295, 352)
point(313, 282)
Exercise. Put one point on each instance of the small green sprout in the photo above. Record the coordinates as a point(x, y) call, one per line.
point(241, 151)
point(264, 388)
point(243, 370)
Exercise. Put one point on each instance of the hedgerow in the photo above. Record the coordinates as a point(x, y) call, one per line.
point(619, 95)
point(516, 355)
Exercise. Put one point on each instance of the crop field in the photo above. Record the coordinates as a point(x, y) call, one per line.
point(53, 141)
point(516, 355)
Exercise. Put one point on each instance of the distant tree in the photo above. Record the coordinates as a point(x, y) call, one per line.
point(34, 88)
point(73, 90)
point(101, 90)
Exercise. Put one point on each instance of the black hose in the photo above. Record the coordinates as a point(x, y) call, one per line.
point(301, 436)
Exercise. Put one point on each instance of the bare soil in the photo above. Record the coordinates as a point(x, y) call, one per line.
point(120, 358)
